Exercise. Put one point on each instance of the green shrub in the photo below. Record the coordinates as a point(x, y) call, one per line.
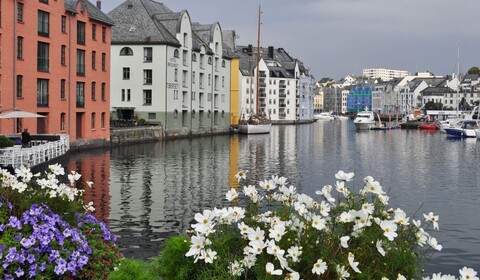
point(132, 269)
point(5, 142)
point(172, 264)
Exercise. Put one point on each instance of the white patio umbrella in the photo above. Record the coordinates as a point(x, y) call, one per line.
point(19, 114)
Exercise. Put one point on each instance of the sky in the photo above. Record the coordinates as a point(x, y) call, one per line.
point(336, 38)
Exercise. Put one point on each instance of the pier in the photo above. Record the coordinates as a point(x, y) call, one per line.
point(43, 148)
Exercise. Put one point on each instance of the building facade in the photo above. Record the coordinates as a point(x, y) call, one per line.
point(55, 61)
point(384, 74)
point(168, 70)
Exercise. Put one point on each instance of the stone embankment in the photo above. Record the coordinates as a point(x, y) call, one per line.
point(129, 135)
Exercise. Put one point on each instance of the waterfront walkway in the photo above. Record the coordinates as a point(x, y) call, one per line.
point(43, 149)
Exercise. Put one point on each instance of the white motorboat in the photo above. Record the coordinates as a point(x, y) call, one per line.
point(364, 120)
point(255, 125)
point(466, 128)
point(324, 116)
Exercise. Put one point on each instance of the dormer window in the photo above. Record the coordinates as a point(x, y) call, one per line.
point(126, 51)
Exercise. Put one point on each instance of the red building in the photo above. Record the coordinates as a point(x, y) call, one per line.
point(55, 61)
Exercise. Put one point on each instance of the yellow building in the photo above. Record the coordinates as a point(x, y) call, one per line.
point(234, 90)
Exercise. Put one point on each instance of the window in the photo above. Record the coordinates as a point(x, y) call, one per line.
point(62, 88)
point(42, 57)
point(62, 121)
point(104, 34)
point(80, 95)
point(194, 57)
point(128, 94)
point(20, 12)
point(102, 120)
point(152, 116)
point(104, 97)
point(19, 47)
point(94, 85)
point(94, 32)
point(43, 26)
point(147, 54)
point(147, 77)
point(64, 24)
point(126, 73)
point(19, 86)
point(176, 75)
point(62, 55)
point(80, 62)
point(126, 51)
point(147, 97)
point(42, 92)
point(104, 58)
point(209, 61)
point(94, 58)
point(176, 53)
point(93, 121)
point(123, 94)
point(223, 63)
point(43, 1)
point(185, 55)
point(81, 32)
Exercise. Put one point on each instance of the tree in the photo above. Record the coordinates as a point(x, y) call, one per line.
point(474, 70)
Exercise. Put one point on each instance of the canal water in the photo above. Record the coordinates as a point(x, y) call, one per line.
point(148, 192)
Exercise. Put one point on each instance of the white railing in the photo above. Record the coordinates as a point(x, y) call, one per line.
point(41, 151)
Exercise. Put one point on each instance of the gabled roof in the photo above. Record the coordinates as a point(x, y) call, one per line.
point(143, 21)
point(436, 91)
point(430, 81)
point(94, 13)
point(470, 77)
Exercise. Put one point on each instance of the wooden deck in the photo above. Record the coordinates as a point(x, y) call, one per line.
point(42, 150)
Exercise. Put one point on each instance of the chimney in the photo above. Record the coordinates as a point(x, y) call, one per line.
point(99, 4)
point(270, 52)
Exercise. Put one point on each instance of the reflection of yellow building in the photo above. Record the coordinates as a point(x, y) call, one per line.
point(318, 102)
point(234, 147)
point(234, 90)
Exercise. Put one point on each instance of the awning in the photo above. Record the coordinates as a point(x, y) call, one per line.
point(19, 114)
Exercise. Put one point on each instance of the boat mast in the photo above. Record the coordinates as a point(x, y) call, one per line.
point(258, 62)
point(458, 77)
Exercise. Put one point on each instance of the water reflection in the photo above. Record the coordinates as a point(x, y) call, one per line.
point(151, 191)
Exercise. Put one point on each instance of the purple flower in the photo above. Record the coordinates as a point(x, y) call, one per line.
point(2, 227)
point(43, 266)
point(8, 277)
point(27, 242)
point(32, 271)
point(61, 267)
point(71, 267)
point(53, 255)
point(31, 258)
point(19, 272)
point(82, 261)
point(14, 222)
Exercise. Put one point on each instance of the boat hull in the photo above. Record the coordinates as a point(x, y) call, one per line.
point(254, 128)
point(364, 125)
point(460, 133)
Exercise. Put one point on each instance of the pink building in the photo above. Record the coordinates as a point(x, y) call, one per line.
point(55, 61)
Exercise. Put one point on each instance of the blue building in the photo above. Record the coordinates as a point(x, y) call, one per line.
point(359, 98)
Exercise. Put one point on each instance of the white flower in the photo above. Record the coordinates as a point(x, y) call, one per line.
point(235, 268)
point(231, 194)
point(324, 208)
point(274, 250)
point(380, 248)
point(292, 276)
point(294, 252)
point(241, 175)
point(432, 241)
point(237, 213)
point(401, 277)
point(342, 272)
point(244, 229)
point(277, 232)
point(280, 181)
point(319, 267)
point(340, 186)
point(468, 274)
point(270, 269)
point(256, 235)
point(344, 241)
point(389, 229)
point(401, 217)
point(368, 208)
point(268, 185)
point(344, 176)
point(318, 222)
point(249, 260)
point(89, 207)
point(257, 246)
point(353, 264)
point(345, 217)
point(209, 255)
point(432, 218)
point(197, 246)
point(89, 183)
point(326, 192)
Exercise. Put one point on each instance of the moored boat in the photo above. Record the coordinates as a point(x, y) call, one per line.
point(465, 129)
point(364, 120)
point(255, 125)
point(324, 116)
point(428, 126)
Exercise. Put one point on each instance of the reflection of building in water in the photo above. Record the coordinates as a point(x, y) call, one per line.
point(234, 168)
point(95, 168)
point(156, 189)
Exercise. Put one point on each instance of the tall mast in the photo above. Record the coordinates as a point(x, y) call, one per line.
point(257, 109)
point(458, 77)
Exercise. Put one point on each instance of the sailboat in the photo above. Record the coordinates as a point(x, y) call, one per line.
point(257, 122)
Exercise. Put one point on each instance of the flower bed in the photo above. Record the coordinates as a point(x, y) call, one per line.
point(36, 242)
point(282, 234)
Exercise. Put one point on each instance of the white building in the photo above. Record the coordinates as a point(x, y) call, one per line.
point(384, 74)
point(169, 71)
point(285, 89)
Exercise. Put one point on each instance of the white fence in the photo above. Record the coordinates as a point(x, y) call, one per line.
point(40, 151)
